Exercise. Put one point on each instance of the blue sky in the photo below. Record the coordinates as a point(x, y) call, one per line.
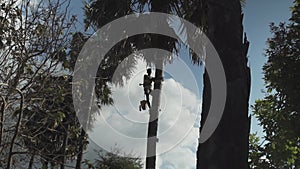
point(258, 14)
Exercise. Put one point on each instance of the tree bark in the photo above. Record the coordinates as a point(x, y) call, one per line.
point(153, 119)
point(162, 43)
point(227, 148)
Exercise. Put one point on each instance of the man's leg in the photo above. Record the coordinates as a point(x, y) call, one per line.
point(148, 100)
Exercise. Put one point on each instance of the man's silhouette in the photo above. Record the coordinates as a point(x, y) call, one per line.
point(147, 84)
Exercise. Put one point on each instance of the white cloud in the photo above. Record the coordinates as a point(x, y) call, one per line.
point(123, 124)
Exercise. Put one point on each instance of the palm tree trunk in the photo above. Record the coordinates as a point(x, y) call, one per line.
point(153, 119)
point(162, 43)
point(228, 146)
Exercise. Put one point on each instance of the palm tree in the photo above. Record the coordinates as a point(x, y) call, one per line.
point(222, 22)
point(154, 41)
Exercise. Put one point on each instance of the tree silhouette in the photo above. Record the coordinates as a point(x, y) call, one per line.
point(231, 136)
point(222, 22)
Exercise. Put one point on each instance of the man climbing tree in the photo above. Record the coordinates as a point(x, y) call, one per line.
point(147, 84)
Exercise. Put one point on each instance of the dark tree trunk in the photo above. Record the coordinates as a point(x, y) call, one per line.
point(157, 41)
point(153, 119)
point(228, 146)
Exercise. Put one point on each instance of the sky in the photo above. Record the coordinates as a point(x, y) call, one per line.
point(122, 124)
point(258, 14)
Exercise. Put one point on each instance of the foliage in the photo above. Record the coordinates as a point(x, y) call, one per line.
point(257, 154)
point(50, 127)
point(116, 160)
point(38, 51)
point(34, 42)
point(100, 12)
point(279, 111)
point(8, 22)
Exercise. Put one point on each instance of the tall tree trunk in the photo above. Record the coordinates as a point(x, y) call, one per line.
point(153, 119)
point(227, 148)
point(161, 42)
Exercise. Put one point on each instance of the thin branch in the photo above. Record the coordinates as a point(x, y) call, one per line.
point(2, 118)
point(17, 128)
